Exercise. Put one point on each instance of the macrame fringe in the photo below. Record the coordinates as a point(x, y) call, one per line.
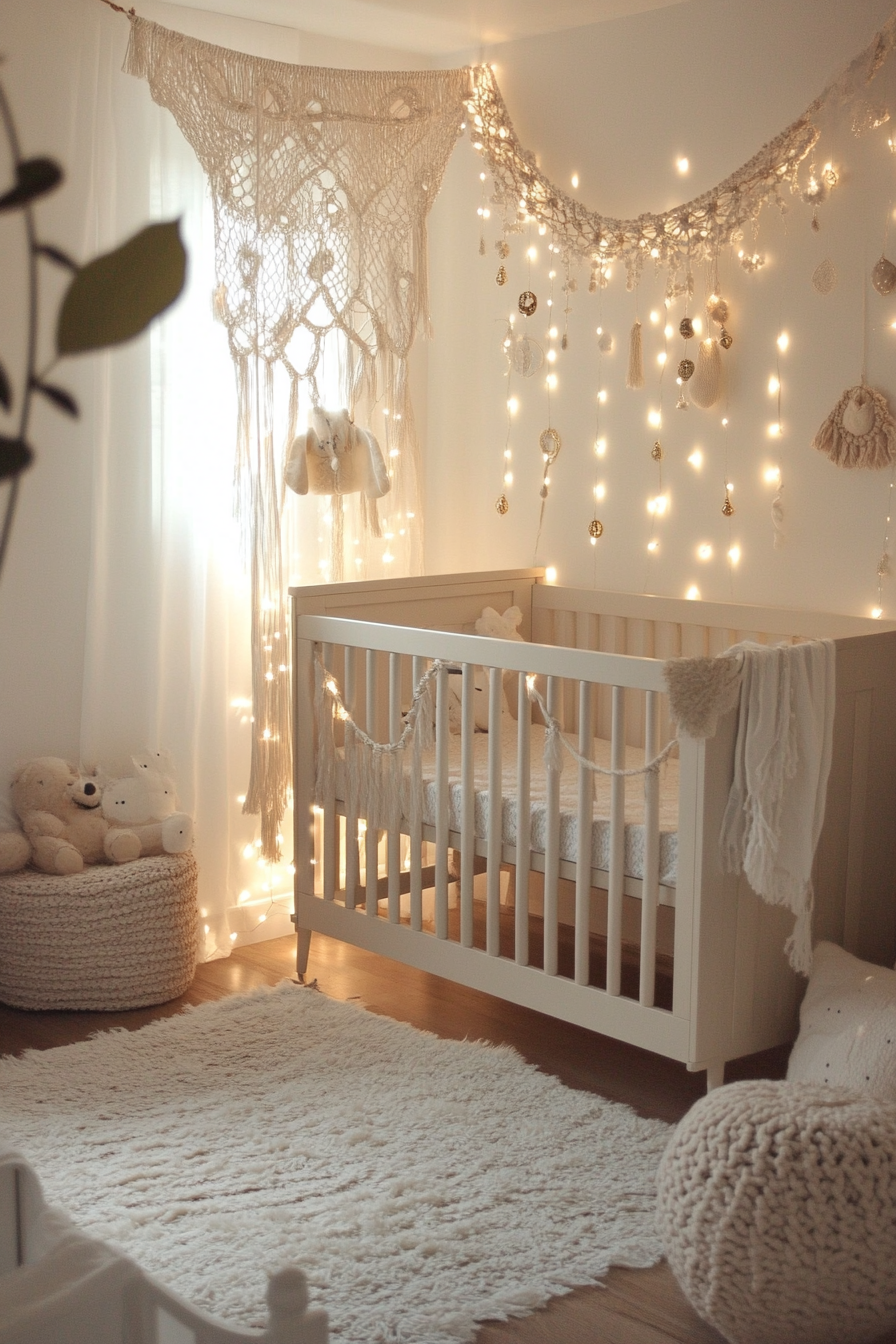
point(860, 431)
point(635, 376)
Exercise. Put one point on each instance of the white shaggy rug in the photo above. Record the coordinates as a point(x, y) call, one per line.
point(423, 1185)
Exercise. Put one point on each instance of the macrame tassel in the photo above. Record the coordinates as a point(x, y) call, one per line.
point(635, 377)
point(337, 538)
point(553, 750)
point(706, 384)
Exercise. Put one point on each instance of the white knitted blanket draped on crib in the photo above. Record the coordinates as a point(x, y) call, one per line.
point(782, 759)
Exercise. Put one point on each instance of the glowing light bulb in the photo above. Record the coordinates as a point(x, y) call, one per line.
point(552, 356)
point(773, 386)
point(661, 358)
point(654, 316)
point(233, 937)
point(552, 333)
point(704, 551)
point(783, 341)
point(693, 593)
point(654, 419)
point(668, 331)
point(772, 475)
point(876, 613)
point(575, 180)
point(600, 491)
point(696, 459)
point(600, 447)
point(551, 574)
point(551, 381)
point(532, 253)
point(774, 429)
point(602, 396)
point(682, 164)
point(734, 554)
point(653, 546)
point(512, 405)
point(508, 478)
point(542, 230)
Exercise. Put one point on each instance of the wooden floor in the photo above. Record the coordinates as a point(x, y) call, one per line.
point(635, 1306)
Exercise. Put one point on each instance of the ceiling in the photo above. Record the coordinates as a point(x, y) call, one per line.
point(434, 27)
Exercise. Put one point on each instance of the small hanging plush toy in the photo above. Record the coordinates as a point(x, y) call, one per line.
point(336, 457)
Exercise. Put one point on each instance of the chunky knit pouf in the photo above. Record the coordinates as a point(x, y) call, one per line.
point(777, 1210)
point(108, 938)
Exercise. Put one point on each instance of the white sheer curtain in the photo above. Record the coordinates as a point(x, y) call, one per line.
point(164, 630)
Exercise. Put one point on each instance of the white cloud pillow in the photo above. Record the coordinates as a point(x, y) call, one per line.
point(847, 1025)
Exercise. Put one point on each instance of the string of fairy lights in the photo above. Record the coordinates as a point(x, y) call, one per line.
point(695, 343)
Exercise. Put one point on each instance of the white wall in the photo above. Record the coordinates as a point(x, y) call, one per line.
point(618, 102)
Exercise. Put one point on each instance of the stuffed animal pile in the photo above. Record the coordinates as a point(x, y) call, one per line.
point(70, 819)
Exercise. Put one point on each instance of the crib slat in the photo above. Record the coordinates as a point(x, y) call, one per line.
point(650, 881)
point(371, 838)
point(393, 843)
point(493, 889)
point(442, 803)
point(329, 856)
point(617, 844)
point(418, 668)
point(352, 859)
point(467, 831)
point(583, 841)
point(523, 822)
point(552, 843)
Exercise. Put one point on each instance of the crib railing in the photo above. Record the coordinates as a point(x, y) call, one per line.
point(376, 668)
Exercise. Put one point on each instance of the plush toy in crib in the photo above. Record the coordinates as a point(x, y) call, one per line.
point(503, 626)
point(336, 457)
point(146, 803)
point(62, 821)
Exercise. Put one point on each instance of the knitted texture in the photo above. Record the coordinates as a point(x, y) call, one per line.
point(107, 938)
point(777, 1210)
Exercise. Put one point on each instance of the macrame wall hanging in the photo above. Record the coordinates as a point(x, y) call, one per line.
point(321, 182)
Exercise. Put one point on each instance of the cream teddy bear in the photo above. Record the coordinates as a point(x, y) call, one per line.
point(63, 825)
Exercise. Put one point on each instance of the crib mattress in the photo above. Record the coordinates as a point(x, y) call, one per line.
point(600, 829)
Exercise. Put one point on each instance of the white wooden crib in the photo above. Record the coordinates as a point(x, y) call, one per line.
point(622, 919)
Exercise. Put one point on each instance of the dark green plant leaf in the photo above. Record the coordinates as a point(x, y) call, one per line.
point(34, 177)
point(56, 254)
point(116, 296)
point(15, 456)
point(5, 390)
point(62, 400)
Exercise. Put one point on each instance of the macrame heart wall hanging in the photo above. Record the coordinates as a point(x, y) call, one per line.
point(860, 431)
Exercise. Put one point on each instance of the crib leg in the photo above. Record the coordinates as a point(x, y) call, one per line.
point(303, 948)
point(715, 1075)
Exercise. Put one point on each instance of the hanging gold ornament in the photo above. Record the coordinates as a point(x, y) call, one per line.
point(727, 507)
point(605, 343)
point(501, 277)
point(883, 277)
point(549, 442)
point(595, 528)
point(726, 340)
point(564, 342)
point(686, 327)
point(656, 451)
point(883, 566)
point(686, 369)
point(482, 247)
point(502, 248)
point(502, 505)
point(717, 309)
point(528, 302)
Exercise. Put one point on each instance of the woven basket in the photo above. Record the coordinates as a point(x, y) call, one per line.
point(107, 938)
